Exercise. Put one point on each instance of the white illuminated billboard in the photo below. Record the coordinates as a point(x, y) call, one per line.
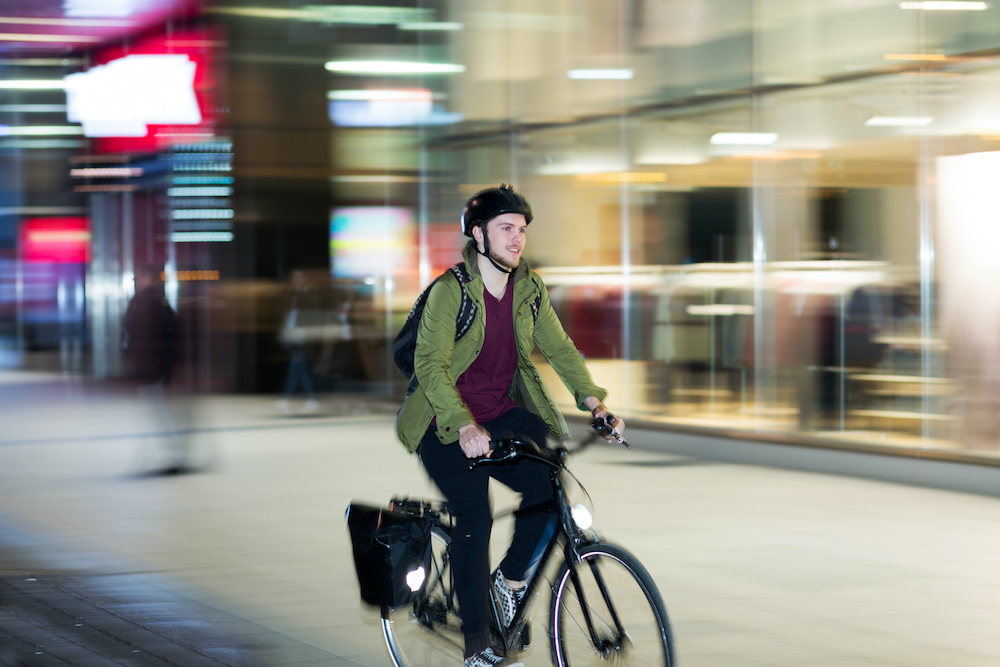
point(371, 242)
point(125, 96)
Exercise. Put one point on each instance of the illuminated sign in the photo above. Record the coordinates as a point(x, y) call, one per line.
point(372, 241)
point(158, 92)
point(126, 96)
point(57, 240)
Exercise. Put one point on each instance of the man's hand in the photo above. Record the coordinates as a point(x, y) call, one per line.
point(597, 409)
point(474, 441)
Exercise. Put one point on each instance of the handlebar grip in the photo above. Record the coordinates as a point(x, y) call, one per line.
point(503, 451)
point(513, 449)
point(605, 429)
point(480, 461)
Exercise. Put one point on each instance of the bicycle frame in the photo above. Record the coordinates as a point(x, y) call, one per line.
point(572, 537)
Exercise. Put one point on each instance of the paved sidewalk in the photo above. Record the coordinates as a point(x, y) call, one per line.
point(249, 560)
point(67, 619)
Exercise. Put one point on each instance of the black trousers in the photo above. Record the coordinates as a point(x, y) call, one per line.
point(468, 497)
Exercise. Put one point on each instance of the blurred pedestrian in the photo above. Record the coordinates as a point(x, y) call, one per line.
point(297, 338)
point(150, 346)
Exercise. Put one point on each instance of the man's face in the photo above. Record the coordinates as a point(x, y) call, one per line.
point(508, 234)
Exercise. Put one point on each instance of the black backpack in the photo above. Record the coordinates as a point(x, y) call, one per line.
point(404, 345)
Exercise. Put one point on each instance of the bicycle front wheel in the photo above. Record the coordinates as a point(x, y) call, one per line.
point(427, 632)
point(611, 612)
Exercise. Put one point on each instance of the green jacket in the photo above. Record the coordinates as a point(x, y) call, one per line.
point(440, 360)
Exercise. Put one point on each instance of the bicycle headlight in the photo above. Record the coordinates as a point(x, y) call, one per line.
point(582, 516)
point(415, 578)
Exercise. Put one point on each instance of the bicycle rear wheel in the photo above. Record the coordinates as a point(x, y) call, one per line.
point(427, 632)
point(626, 613)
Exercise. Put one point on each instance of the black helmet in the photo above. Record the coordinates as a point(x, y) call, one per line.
point(488, 204)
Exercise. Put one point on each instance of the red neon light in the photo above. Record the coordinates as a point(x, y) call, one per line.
point(58, 240)
point(200, 45)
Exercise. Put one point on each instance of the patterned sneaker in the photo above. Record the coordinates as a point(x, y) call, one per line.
point(487, 658)
point(508, 599)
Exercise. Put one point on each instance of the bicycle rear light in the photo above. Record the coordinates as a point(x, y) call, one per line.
point(582, 516)
point(415, 578)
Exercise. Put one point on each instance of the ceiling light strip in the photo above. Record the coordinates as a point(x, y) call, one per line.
point(201, 237)
point(391, 67)
point(743, 138)
point(935, 57)
point(412, 95)
point(39, 130)
point(34, 37)
point(945, 5)
point(899, 121)
point(67, 23)
point(601, 74)
point(441, 26)
point(32, 84)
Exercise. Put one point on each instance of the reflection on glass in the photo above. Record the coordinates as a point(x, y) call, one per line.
point(765, 217)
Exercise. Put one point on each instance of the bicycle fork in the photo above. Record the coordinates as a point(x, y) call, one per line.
point(602, 646)
point(573, 560)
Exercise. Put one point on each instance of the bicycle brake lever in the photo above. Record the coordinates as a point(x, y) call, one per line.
point(604, 428)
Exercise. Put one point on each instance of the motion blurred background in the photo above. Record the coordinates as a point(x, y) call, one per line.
point(760, 218)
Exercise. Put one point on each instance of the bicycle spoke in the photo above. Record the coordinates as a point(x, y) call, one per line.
point(635, 633)
point(602, 623)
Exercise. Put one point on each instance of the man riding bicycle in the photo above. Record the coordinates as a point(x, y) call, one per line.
point(482, 386)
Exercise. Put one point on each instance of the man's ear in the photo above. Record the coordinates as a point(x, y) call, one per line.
point(477, 234)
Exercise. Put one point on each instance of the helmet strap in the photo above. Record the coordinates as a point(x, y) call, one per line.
point(487, 255)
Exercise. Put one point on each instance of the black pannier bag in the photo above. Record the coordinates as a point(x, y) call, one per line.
point(388, 546)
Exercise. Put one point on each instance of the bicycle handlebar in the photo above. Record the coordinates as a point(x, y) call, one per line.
point(511, 450)
point(606, 429)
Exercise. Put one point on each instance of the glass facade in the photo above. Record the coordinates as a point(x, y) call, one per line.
point(760, 217)
point(756, 217)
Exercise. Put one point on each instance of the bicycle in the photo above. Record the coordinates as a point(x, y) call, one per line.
point(607, 611)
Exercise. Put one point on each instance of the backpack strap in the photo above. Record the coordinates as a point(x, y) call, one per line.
point(466, 307)
point(463, 319)
point(537, 301)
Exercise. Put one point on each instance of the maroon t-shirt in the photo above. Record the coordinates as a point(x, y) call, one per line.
point(484, 386)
